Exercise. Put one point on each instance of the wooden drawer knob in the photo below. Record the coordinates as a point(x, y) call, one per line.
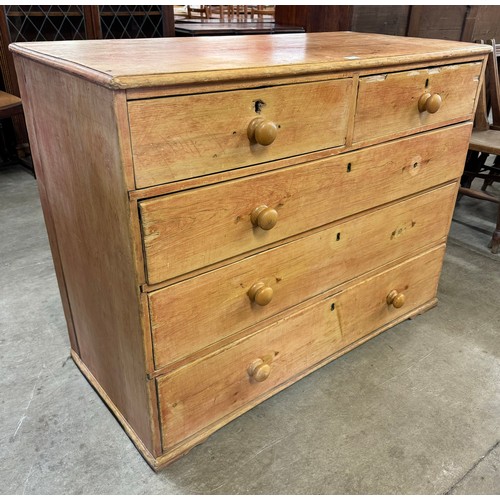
point(429, 102)
point(262, 131)
point(264, 217)
point(397, 299)
point(260, 293)
point(259, 370)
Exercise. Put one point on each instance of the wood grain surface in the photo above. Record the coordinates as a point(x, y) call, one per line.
point(177, 451)
point(202, 392)
point(36, 152)
point(176, 138)
point(294, 272)
point(173, 61)
point(86, 189)
point(205, 391)
point(387, 103)
point(195, 228)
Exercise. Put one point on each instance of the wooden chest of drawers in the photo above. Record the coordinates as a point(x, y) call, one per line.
point(228, 214)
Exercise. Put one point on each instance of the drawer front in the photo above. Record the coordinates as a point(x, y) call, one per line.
point(292, 273)
point(208, 390)
point(189, 230)
point(388, 104)
point(180, 137)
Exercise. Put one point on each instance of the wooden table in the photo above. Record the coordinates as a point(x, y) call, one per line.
point(205, 28)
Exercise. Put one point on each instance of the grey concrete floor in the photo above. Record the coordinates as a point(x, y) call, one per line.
point(415, 410)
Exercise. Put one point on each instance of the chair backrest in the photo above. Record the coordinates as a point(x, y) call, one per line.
point(489, 98)
point(201, 11)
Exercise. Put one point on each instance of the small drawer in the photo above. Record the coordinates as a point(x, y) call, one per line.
point(189, 230)
point(239, 295)
point(210, 389)
point(180, 137)
point(410, 101)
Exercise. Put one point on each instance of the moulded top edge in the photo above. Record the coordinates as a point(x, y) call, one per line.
point(125, 64)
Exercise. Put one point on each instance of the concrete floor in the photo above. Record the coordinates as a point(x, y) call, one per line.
point(415, 410)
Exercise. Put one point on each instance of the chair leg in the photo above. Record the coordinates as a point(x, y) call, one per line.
point(473, 164)
point(495, 239)
point(488, 181)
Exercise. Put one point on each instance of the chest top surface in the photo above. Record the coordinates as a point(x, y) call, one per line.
point(124, 64)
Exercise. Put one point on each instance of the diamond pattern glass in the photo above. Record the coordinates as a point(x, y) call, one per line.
point(131, 21)
point(30, 23)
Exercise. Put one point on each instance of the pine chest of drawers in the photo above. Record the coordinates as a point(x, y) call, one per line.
point(228, 214)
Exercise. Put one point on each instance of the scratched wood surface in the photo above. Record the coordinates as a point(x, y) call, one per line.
point(388, 103)
point(205, 391)
point(167, 61)
point(195, 228)
point(295, 272)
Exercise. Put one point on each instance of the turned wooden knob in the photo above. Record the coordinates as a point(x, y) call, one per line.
point(259, 370)
point(264, 217)
point(429, 102)
point(260, 293)
point(397, 299)
point(262, 131)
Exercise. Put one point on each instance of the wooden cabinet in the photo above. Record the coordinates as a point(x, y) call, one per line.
point(227, 215)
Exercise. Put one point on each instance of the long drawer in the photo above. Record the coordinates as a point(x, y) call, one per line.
point(211, 388)
point(189, 230)
point(188, 136)
point(408, 101)
point(291, 273)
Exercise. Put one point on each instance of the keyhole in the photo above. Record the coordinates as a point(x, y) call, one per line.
point(258, 104)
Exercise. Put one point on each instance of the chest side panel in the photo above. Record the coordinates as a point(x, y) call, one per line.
point(79, 152)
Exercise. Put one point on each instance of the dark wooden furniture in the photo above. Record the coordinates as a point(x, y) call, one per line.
point(315, 18)
point(231, 13)
point(485, 141)
point(232, 28)
point(10, 106)
point(451, 22)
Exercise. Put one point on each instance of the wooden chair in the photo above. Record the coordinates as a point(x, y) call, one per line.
point(230, 13)
point(10, 105)
point(262, 12)
point(485, 141)
point(202, 12)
